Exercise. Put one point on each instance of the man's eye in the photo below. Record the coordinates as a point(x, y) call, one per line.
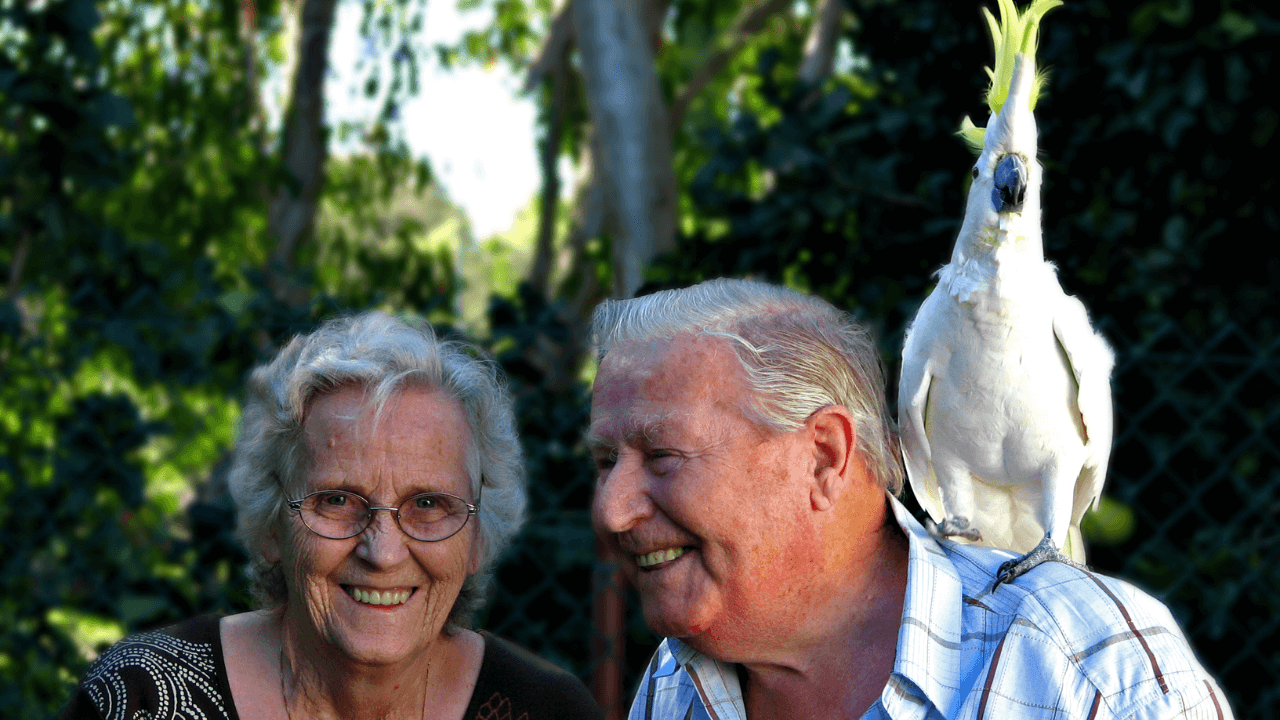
point(663, 461)
point(335, 499)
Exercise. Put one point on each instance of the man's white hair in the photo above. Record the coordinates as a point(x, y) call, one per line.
point(800, 354)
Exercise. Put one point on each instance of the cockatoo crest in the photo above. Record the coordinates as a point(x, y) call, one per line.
point(1016, 33)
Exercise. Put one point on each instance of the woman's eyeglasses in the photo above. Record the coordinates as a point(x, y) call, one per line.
point(338, 514)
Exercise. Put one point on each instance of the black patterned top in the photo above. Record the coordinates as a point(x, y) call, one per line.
point(179, 672)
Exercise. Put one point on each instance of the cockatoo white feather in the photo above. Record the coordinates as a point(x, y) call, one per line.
point(1005, 395)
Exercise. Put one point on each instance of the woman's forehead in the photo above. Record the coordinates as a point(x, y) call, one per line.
point(421, 436)
point(352, 408)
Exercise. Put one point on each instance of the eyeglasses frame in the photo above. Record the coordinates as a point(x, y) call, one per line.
point(296, 505)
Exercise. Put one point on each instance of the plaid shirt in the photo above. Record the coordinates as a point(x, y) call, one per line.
point(1057, 643)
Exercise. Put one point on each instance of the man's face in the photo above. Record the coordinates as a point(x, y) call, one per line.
point(709, 515)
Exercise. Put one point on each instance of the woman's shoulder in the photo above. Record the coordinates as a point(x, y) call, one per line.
point(516, 683)
point(173, 672)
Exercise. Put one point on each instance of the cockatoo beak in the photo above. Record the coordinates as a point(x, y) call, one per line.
point(1015, 141)
point(1010, 184)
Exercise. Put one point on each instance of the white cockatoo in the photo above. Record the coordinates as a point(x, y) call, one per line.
point(1005, 397)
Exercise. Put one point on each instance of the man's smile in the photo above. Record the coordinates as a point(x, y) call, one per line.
point(658, 558)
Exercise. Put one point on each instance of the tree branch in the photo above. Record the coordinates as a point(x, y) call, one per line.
point(19, 259)
point(588, 223)
point(292, 211)
point(249, 33)
point(549, 154)
point(820, 46)
point(655, 16)
point(555, 47)
point(749, 22)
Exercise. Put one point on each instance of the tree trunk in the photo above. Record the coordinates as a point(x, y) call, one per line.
point(820, 46)
point(634, 163)
point(292, 210)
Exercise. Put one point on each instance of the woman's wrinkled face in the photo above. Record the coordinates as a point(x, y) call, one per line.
point(417, 446)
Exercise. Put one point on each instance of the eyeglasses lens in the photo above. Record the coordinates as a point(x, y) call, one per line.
point(339, 515)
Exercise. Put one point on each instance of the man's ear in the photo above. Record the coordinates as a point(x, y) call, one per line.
point(835, 442)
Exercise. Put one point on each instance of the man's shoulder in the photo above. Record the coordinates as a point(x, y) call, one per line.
point(1053, 588)
point(1116, 640)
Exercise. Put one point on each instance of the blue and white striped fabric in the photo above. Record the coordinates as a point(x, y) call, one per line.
point(1057, 643)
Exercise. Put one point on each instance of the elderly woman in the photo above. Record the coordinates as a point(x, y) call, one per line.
point(377, 478)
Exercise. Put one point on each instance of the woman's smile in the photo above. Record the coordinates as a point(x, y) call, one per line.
point(386, 598)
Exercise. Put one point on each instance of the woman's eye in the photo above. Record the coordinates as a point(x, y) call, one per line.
point(338, 500)
point(426, 503)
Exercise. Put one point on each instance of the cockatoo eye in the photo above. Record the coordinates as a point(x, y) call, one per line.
point(975, 172)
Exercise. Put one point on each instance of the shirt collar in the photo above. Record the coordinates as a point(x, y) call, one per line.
point(716, 682)
point(930, 635)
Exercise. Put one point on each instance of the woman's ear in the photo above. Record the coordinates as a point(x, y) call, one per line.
point(270, 547)
point(835, 441)
point(477, 552)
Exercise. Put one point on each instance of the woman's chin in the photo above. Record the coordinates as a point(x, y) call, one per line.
point(385, 644)
point(380, 632)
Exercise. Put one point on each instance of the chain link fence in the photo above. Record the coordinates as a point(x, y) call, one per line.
point(1197, 462)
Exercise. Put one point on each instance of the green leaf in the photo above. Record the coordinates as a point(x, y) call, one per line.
point(113, 111)
point(138, 609)
point(236, 301)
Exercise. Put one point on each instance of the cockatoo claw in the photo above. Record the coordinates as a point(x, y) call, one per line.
point(955, 527)
point(1042, 553)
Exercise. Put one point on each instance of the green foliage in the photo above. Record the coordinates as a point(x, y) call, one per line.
point(198, 171)
point(133, 179)
point(384, 236)
point(392, 47)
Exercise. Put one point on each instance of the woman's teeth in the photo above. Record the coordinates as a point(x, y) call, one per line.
point(375, 597)
point(659, 556)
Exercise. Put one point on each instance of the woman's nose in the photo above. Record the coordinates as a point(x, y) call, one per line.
point(382, 543)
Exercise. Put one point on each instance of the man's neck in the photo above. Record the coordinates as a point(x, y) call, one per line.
point(840, 670)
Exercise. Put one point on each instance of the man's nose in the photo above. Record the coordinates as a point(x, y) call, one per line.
point(383, 543)
point(622, 498)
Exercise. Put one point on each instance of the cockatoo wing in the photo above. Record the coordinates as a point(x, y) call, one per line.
point(913, 409)
point(1090, 361)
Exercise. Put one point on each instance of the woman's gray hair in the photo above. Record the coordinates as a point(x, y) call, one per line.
point(800, 353)
point(383, 355)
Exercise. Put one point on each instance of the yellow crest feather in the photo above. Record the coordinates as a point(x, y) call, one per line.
point(1014, 33)
point(973, 136)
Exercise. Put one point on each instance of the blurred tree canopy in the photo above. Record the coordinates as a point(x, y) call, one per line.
point(809, 143)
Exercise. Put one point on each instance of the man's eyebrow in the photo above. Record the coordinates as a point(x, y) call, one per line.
point(642, 431)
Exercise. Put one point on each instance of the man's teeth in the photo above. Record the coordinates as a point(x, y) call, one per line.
point(658, 556)
point(375, 597)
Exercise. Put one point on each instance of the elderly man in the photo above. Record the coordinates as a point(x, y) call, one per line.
point(746, 479)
